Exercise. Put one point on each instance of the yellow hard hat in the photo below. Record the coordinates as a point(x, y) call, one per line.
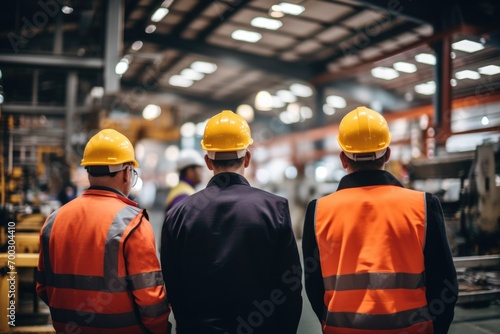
point(226, 132)
point(364, 131)
point(107, 148)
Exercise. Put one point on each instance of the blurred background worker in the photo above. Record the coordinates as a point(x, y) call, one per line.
point(228, 252)
point(98, 271)
point(384, 261)
point(190, 167)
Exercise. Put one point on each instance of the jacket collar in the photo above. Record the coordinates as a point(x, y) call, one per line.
point(225, 179)
point(110, 193)
point(368, 178)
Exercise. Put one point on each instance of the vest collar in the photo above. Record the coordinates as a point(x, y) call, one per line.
point(368, 178)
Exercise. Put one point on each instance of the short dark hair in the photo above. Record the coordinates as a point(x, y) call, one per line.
point(183, 172)
point(102, 174)
point(231, 163)
point(366, 165)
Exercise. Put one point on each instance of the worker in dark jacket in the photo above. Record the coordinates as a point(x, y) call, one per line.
point(376, 255)
point(229, 255)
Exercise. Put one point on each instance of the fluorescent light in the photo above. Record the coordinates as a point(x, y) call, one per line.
point(328, 110)
point(385, 73)
point(286, 96)
point(453, 82)
point(467, 74)
point(246, 36)
point(301, 90)
point(276, 12)
point(97, 92)
point(122, 66)
point(67, 10)
point(159, 14)
point(489, 70)
point(405, 67)
point(150, 29)
point(290, 8)
point(263, 101)
point(335, 101)
point(188, 129)
point(467, 46)
point(264, 22)
point(137, 45)
point(306, 112)
point(245, 111)
point(277, 102)
point(204, 67)
point(179, 81)
point(191, 74)
point(426, 58)
point(427, 88)
point(151, 111)
point(485, 120)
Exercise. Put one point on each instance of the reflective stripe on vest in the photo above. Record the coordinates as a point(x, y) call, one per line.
point(103, 289)
point(371, 242)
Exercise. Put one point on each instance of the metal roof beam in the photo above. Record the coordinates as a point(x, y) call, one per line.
point(422, 11)
point(52, 61)
point(230, 56)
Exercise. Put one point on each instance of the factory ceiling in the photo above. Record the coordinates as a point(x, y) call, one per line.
point(380, 53)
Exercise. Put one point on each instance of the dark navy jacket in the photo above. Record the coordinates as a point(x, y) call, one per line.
point(440, 275)
point(230, 261)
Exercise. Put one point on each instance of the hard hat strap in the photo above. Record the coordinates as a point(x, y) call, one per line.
point(365, 156)
point(226, 155)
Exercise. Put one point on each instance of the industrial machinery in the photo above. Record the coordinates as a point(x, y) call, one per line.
point(468, 185)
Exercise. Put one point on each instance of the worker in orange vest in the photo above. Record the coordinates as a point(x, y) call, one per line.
point(376, 255)
point(228, 252)
point(98, 270)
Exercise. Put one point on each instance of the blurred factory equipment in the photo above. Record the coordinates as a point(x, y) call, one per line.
point(468, 185)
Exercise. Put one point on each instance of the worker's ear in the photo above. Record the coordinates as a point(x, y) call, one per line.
point(387, 154)
point(248, 157)
point(208, 162)
point(343, 159)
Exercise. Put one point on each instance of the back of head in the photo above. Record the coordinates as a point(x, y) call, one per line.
point(364, 135)
point(188, 158)
point(226, 136)
point(107, 152)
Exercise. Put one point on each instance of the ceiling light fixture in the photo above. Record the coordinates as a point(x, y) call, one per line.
point(328, 109)
point(265, 23)
point(291, 8)
point(426, 58)
point(286, 96)
point(151, 111)
point(137, 45)
point(246, 111)
point(204, 67)
point(180, 81)
point(301, 90)
point(335, 101)
point(427, 88)
point(159, 14)
point(191, 74)
point(385, 73)
point(306, 112)
point(467, 74)
point(263, 101)
point(276, 12)
point(277, 102)
point(122, 66)
point(246, 36)
point(405, 67)
point(150, 29)
point(67, 10)
point(467, 46)
point(489, 70)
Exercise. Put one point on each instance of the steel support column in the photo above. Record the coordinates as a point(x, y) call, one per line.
point(113, 45)
point(443, 95)
point(71, 97)
point(319, 115)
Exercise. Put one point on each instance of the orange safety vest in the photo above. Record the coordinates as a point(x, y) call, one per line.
point(98, 269)
point(371, 242)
